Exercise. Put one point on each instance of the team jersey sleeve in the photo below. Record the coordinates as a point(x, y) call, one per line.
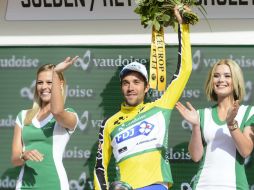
point(102, 159)
point(20, 118)
point(250, 121)
point(201, 113)
point(77, 119)
point(183, 71)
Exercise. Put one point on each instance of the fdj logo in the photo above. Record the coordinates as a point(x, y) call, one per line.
point(144, 128)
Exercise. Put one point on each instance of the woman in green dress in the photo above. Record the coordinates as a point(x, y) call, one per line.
point(42, 132)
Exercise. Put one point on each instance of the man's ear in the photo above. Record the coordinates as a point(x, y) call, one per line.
point(147, 87)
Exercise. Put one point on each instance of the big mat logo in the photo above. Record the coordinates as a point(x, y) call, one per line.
point(87, 62)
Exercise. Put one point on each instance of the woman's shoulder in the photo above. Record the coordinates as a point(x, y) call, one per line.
point(22, 113)
point(21, 117)
point(246, 108)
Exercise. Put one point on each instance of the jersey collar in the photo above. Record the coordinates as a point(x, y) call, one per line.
point(125, 108)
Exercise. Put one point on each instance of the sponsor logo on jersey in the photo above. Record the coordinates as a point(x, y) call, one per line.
point(121, 150)
point(144, 128)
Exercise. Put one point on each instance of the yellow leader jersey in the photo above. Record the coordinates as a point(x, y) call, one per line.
point(138, 136)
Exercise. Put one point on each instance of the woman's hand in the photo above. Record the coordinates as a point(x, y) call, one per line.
point(61, 67)
point(232, 112)
point(33, 155)
point(190, 114)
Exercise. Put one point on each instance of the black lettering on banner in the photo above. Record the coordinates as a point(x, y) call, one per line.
point(242, 2)
point(57, 4)
point(47, 4)
point(223, 2)
point(82, 2)
point(76, 4)
point(28, 4)
point(70, 3)
point(67, 4)
point(232, 2)
point(105, 3)
point(36, 4)
point(118, 3)
point(92, 3)
point(54, 3)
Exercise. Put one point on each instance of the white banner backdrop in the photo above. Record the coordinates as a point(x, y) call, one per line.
point(113, 9)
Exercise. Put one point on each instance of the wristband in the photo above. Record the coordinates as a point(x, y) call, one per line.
point(233, 126)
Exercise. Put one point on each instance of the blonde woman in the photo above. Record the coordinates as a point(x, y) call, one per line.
point(222, 135)
point(42, 132)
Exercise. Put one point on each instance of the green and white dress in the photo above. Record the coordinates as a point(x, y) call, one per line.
point(50, 139)
point(221, 167)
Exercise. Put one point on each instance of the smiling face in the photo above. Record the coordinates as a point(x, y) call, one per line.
point(222, 81)
point(134, 88)
point(225, 78)
point(43, 86)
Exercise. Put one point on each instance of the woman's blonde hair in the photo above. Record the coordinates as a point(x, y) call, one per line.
point(237, 78)
point(37, 101)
